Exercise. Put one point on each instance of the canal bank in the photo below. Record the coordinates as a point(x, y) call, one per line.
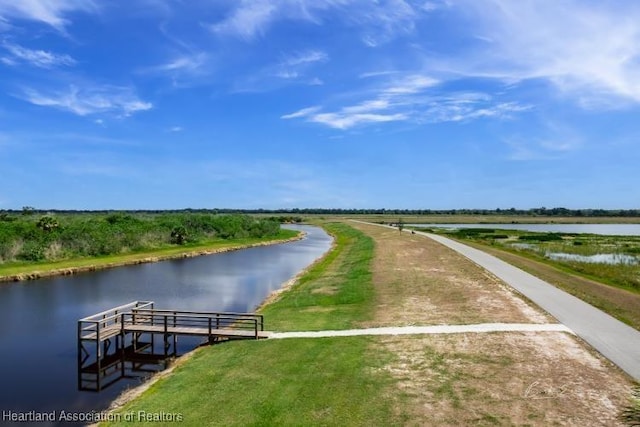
point(39, 317)
point(72, 267)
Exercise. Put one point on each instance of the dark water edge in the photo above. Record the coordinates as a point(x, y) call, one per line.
point(38, 318)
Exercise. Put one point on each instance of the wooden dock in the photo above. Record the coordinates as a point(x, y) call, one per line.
point(112, 342)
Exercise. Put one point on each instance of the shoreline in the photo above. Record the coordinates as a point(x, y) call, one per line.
point(130, 394)
point(68, 271)
point(275, 295)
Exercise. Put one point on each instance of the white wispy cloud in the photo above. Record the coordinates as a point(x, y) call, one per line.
point(411, 84)
point(83, 101)
point(410, 98)
point(301, 113)
point(250, 18)
point(377, 73)
point(4, 25)
point(377, 22)
point(50, 12)
point(186, 63)
point(458, 110)
point(344, 120)
point(295, 66)
point(306, 57)
point(36, 58)
point(589, 51)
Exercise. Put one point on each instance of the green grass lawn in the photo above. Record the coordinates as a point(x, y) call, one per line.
point(274, 383)
point(335, 293)
point(328, 381)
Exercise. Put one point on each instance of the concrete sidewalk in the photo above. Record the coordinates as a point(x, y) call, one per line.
point(435, 329)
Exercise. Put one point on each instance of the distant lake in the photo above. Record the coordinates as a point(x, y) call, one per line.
point(603, 229)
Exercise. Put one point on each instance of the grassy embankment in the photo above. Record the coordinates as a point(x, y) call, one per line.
point(613, 288)
point(328, 381)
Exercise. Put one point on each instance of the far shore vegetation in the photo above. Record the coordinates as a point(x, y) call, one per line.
point(31, 241)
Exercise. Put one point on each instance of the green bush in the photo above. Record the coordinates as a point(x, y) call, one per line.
point(31, 251)
point(547, 237)
point(92, 234)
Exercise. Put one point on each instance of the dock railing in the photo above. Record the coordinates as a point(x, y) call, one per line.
point(106, 324)
point(194, 322)
point(109, 339)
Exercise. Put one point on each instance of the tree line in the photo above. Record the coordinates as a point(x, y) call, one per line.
point(292, 212)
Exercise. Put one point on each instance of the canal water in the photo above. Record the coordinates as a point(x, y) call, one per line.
point(603, 229)
point(38, 319)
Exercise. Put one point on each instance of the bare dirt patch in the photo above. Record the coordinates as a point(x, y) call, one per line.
point(538, 379)
point(419, 281)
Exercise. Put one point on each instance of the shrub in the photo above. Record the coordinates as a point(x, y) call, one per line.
point(31, 251)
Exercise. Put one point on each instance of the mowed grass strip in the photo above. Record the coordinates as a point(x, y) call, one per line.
point(328, 381)
point(336, 293)
point(274, 383)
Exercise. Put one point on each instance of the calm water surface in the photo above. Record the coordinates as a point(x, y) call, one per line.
point(604, 229)
point(38, 318)
point(597, 258)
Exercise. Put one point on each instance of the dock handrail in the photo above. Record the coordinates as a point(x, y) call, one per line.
point(195, 319)
point(120, 308)
point(125, 317)
point(91, 327)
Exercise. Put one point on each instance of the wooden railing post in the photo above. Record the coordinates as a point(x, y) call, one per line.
point(166, 336)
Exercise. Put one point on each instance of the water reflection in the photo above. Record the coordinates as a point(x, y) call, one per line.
point(597, 259)
point(38, 318)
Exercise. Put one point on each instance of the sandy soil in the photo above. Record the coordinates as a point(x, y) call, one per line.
point(505, 379)
point(419, 281)
point(501, 378)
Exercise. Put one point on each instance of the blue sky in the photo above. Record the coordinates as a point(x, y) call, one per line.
point(162, 104)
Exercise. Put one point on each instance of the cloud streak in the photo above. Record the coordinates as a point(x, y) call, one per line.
point(36, 58)
point(589, 51)
point(187, 64)
point(410, 98)
point(89, 100)
point(377, 22)
point(50, 12)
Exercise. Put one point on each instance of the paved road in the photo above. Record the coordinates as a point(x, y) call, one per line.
point(615, 340)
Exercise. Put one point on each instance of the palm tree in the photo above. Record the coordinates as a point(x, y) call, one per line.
point(47, 223)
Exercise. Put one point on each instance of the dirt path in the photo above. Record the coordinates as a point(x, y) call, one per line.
point(500, 378)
